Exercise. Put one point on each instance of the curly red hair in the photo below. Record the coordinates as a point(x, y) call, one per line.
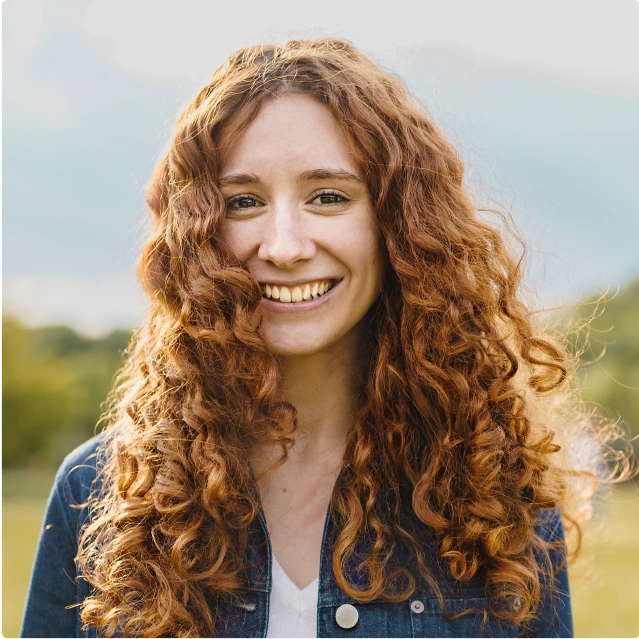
point(456, 373)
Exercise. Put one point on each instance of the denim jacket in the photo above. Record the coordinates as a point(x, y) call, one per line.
point(56, 588)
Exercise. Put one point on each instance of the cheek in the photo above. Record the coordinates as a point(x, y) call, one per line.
point(366, 259)
point(239, 238)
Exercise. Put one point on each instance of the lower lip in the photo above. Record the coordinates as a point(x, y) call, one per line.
point(298, 307)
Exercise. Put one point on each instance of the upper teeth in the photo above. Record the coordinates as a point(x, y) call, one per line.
point(297, 293)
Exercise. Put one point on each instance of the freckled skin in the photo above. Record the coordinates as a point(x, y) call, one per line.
point(287, 234)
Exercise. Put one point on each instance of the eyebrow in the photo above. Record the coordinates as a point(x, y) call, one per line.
point(328, 174)
point(305, 176)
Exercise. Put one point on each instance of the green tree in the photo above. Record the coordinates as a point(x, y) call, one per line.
point(53, 385)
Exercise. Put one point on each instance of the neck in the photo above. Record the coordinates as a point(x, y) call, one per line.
point(324, 388)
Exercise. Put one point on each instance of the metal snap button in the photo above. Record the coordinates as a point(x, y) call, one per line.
point(517, 601)
point(417, 606)
point(346, 616)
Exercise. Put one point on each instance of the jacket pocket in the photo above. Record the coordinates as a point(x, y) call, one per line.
point(427, 619)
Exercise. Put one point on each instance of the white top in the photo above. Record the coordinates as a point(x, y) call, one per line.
point(292, 612)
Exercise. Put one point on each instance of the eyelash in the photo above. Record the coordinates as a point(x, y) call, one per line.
point(232, 203)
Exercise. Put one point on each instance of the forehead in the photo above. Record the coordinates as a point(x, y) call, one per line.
point(295, 131)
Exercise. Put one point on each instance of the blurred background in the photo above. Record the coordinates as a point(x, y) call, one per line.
point(540, 98)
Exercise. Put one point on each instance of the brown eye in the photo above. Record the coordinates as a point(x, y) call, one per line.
point(330, 199)
point(241, 202)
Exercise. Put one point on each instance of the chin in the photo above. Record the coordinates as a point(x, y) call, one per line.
point(292, 350)
point(287, 344)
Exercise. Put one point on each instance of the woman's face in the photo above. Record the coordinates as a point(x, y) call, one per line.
point(299, 214)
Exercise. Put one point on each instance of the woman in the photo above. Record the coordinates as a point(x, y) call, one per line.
point(334, 420)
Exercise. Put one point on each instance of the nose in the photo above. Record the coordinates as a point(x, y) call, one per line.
point(285, 239)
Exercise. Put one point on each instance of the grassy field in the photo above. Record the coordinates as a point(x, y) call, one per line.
point(604, 581)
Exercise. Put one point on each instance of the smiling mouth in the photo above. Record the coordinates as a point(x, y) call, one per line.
point(302, 292)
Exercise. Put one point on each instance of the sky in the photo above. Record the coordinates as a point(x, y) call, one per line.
point(540, 98)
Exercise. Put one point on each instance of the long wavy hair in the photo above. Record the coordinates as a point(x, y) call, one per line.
point(464, 396)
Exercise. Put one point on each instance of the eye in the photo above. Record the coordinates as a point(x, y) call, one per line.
point(329, 198)
point(241, 202)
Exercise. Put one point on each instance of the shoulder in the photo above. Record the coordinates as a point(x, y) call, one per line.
point(76, 476)
point(81, 463)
